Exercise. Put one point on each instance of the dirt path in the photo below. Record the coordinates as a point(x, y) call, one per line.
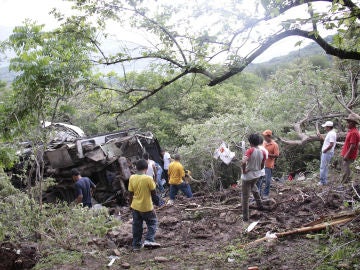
point(207, 231)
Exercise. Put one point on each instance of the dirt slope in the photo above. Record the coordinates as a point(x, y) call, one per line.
point(207, 232)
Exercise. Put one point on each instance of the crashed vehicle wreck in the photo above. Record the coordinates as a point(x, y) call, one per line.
point(107, 159)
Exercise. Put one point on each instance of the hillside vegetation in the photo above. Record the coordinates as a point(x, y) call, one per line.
point(193, 103)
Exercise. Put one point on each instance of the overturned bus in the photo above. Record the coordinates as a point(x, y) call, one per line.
point(107, 159)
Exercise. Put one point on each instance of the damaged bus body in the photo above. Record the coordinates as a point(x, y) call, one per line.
point(107, 159)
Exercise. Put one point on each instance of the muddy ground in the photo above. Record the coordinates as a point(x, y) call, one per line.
point(207, 232)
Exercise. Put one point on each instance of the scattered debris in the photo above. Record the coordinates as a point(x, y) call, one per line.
point(317, 225)
point(106, 159)
point(161, 259)
point(125, 265)
point(112, 260)
point(252, 226)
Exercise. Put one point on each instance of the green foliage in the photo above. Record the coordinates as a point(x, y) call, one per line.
point(237, 253)
point(335, 251)
point(313, 165)
point(59, 257)
point(6, 188)
point(50, 66)
point(65, 226)
point(7, 156)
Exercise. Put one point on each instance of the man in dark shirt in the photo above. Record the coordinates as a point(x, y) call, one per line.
point(83, 187)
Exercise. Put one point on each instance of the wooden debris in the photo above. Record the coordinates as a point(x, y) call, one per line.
point(112, 260)
point(352, 185)
point(314, 226)
point(214, 208)
point(332, 218)
point(161, 259)
point(116, 252)
point(125, 265)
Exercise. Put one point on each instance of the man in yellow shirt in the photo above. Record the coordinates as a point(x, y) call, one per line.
point(141, 188)
point(176, 179)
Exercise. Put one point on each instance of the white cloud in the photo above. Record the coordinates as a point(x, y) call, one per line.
point(14, 12)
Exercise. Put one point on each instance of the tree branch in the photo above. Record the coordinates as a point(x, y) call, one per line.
point(166, 32)
point(154, 56)
point(152, 92)
point(342, 54)
point(304, 138)
point(347, 3)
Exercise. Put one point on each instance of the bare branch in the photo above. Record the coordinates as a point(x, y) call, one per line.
point(311, 12)
point(304, 138)
point(342, 103)
point(343, 54)
point(152, 92)
point(347, 3)
point(166, 32)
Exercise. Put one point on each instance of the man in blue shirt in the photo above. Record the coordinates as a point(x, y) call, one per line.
point(83, 187)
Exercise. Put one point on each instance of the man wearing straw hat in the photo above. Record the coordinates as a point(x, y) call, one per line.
point(350, 150)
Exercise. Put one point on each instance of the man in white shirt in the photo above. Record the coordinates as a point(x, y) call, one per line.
point(151, 171)
point(327, 151)
point(167, 160)
point(262, 177)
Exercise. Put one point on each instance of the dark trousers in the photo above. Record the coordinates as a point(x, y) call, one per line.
point(247, 186)
point(166, 176)
point(184, 187)
point(137, 226)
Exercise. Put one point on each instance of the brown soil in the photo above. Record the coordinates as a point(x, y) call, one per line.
point(207, 232)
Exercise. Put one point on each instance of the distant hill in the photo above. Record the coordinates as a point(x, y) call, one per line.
point(6, 75)
point(312, 51)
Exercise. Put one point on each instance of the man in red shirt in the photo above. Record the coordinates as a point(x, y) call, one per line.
point(350, 150)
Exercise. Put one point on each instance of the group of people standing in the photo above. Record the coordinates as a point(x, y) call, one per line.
point(258, 161)
point(349, 151)
point(142, 189)
point(257, 167)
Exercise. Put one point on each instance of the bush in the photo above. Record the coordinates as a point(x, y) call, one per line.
point(7, 157)
point(66, 226)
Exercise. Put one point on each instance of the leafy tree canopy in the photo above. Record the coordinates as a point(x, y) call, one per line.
point(212, 38)
point(50, 67)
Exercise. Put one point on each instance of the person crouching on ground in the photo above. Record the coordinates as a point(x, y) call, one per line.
point(176, 180)
point(83, 187)
point(251, 165)
point(141, 188)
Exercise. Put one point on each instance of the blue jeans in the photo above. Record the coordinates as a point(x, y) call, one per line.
point(160, 185)
point(137, 226)
point(184, 187)
point(267, 180)
point(324, 166)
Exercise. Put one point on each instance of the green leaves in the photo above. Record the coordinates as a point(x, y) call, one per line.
point(50, 66)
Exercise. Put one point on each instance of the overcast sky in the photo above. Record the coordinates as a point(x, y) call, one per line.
point(14, 12)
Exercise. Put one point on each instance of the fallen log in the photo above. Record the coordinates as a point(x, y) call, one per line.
point(332, 218)
point(213, 208)
point(315, 228)
point(318, 227)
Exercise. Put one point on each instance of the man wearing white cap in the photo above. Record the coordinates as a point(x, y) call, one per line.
point(327, 151)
